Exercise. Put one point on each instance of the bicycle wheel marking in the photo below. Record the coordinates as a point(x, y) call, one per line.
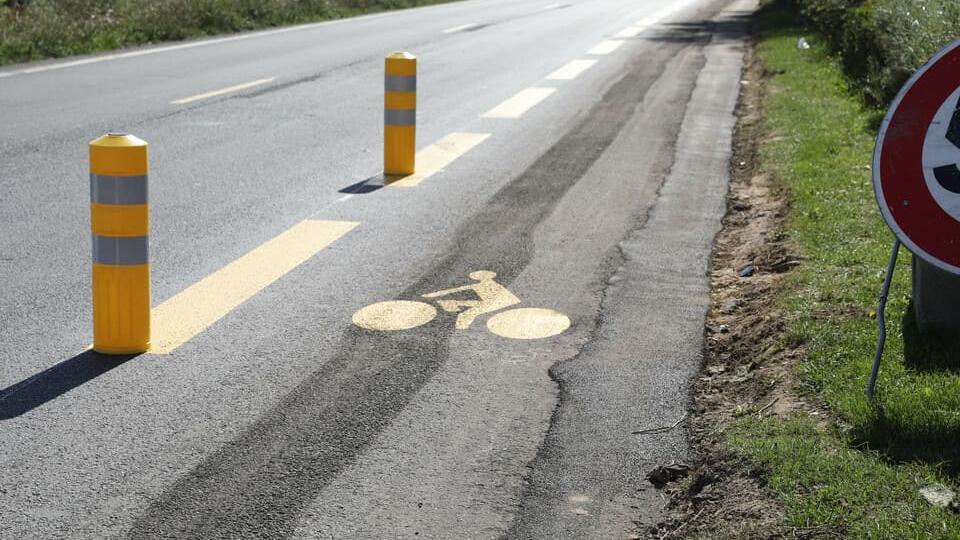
point(488, 297)
point(394, 315)
point(528, 323)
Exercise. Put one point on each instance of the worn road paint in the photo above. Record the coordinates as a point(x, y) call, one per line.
point(520, 103)
point(487, 296)
point(195, 309)
point(605, 47)
point(528, 323)
point(222, 91)
point(394, 315)
point(460, 28)
point(438, 155)
point(571, 70)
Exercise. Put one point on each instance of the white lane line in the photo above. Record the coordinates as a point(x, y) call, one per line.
point(606, 47)
point(572, 70)
point(222, 91)
point(460, 28)
point(345, 198)
point(192, 44)
point(629, 32)
point(520, 103)
point(552, 6)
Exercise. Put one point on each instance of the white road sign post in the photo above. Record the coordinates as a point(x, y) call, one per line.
point(916, 178)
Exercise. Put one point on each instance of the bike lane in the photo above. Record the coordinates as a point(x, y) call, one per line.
point(434, 416)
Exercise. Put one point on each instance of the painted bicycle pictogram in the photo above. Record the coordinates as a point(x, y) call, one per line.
point(514, 323)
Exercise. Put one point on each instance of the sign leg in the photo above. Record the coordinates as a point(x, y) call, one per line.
point(882, 319)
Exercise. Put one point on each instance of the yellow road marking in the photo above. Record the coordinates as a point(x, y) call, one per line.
point(222, 91)
point(517, 105)
point(195, 309)
point(606, 47)
point(438, 155)
point(572, 70)
point(394, 315)
point(629, 32)
point(528, 323)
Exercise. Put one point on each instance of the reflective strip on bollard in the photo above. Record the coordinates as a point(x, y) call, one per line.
point(106, 189)
point(400, 117)
point(400, 83)
point(120, 250)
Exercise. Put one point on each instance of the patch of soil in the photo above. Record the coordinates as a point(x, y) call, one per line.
point(749, 367)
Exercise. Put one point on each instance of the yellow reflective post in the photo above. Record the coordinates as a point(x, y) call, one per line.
point(119, 222)
point(400, 114)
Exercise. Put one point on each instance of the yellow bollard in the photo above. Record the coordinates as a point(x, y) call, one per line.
point(400, 114)
point(120, 223)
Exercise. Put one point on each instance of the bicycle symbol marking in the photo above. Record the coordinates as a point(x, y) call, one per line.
point(515, 323)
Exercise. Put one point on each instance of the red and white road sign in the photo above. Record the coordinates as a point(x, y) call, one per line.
point(916, 165)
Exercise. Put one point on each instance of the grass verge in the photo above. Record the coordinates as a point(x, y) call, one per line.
point(859, 475)
point(781, 406)
point(54, 28)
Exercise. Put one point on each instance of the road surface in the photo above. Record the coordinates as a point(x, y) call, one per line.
point(578, 150)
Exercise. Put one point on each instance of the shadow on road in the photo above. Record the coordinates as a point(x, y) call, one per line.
point(48, 385)
point(731, 27)
point(365, 186)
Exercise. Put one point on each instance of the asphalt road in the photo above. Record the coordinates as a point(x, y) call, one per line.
point(596, 197)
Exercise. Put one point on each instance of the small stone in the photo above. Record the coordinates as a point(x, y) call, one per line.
point(724, 329)
point(938, 495)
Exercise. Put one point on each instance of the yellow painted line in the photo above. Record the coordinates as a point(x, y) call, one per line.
point(606, 47)
point(222, 91)
point(571, 70)
point(195, 309)
point(438, 155)
point(516, 106)
point(629, 32)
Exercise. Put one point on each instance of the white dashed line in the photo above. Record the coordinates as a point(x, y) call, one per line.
point(571, 70)
point(629, 32)
point(520, 103)
point(460, 28)
point(606, 47)
point(222, 91)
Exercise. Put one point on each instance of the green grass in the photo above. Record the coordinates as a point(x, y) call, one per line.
point(860, 478)
point(55, 28)
point(884, 41)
